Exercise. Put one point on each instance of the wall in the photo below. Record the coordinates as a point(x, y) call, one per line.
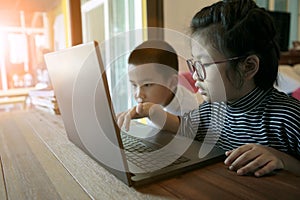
point(178, 13)
point(177, 17)
point(51, 15)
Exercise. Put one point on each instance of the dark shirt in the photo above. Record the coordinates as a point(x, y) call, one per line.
point(270, 118)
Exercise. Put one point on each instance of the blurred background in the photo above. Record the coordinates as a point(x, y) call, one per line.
point(31, 28)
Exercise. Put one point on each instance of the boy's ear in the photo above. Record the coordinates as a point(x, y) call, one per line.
point(250, 67)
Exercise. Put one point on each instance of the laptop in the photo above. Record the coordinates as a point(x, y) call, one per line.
point(80, 84)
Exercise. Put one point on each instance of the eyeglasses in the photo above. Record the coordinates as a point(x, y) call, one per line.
point(199, 67)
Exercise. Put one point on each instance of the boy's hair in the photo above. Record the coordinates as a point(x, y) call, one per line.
point(154, 51)
point(241, 28)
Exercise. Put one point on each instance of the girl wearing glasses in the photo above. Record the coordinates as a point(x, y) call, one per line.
point(235, 65)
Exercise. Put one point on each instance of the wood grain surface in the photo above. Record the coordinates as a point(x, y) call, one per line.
point(39, 162)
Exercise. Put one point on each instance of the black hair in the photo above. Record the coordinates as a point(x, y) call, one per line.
point(241, 28)
point(154, 51)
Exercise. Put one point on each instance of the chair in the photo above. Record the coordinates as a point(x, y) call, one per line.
point(185, 79)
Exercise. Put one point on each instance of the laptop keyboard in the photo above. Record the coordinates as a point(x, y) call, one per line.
point(149, 158)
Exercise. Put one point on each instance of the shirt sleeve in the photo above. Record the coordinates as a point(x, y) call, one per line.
point(197, 123)
point(190, 123)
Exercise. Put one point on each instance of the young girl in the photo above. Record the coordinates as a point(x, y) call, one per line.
point(235, 65)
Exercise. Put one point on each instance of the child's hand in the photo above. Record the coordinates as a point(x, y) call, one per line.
point(139, 111)
point(253, 158)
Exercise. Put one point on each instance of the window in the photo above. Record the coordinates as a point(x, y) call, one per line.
point(22, 37)
point(291, 6)
point(113, 23)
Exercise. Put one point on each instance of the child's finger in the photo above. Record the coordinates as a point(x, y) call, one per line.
point(139, 108)
point(227, 153)
point(127, 120)
point(120, 119)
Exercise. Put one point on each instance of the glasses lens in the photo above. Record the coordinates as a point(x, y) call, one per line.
point(190, 65)
point(200, 70)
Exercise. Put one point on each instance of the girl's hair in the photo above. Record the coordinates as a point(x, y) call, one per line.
point(241, 28)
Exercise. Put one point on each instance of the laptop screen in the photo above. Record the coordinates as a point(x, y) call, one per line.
point(79, 81)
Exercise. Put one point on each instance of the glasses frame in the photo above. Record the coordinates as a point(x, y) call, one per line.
point(193, 67)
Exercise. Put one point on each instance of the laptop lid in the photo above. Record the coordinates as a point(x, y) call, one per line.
point(80, 85)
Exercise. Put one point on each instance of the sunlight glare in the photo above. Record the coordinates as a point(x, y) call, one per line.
point(1, 44)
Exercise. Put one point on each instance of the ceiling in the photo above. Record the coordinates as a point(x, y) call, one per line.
point(28, 5)
point(10, 10)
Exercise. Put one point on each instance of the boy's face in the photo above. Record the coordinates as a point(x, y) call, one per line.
point(150, 85)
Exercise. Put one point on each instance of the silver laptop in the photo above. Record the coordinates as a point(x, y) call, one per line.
point(81, 88)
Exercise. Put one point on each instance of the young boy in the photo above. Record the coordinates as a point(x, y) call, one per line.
point(153, 74)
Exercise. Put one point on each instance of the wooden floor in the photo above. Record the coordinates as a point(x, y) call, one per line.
point(39, 162)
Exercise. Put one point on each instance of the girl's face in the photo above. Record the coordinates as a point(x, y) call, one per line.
point(149, 85)
point(216, 87)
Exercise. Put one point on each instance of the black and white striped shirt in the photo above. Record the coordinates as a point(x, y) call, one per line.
point(270, 118)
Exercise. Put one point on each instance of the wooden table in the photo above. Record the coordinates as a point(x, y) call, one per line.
point(14, 96)
point(38, 162)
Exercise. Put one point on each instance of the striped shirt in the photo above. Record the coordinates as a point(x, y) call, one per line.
point(270, 118)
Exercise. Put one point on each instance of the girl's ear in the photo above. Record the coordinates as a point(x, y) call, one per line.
point(250, 67)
